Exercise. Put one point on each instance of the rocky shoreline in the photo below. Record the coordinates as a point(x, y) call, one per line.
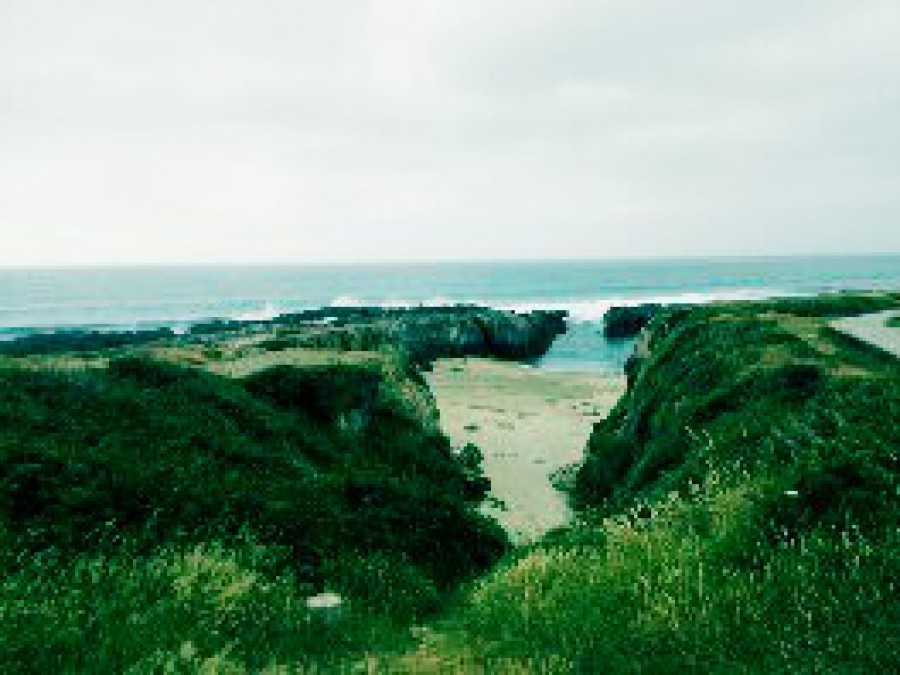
point(628, 322)
point(426, 334)
point(423, 333)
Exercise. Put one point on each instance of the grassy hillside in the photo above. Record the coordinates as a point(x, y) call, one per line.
point(155, 514)
point(739, 512)
point(740, 509)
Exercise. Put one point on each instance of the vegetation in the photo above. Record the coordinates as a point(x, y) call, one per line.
point(740, 510)
point(738, 514)
point(155, 514)
point(825, 306)
point(80, 341)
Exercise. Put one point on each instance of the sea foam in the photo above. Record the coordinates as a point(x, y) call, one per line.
point(591, 310)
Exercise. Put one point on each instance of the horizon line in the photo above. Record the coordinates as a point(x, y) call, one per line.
point(715, 257)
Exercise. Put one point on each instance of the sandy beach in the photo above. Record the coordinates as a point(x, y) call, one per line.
point(528, 423)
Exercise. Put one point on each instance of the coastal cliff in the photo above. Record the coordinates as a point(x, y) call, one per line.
point(203, 485)
point(627, 322)
point(698, 370)
point(177, 504)
point(425, 334)
point(738, 507)
point(221, 501)
point(422, 333)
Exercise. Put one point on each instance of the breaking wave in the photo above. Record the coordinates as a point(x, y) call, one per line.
point(579, 309)
point(593, 309)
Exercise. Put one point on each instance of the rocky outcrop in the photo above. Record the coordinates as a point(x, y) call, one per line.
point(424, 334)
point(638, 356)
point(521, 336)
point(627, 322)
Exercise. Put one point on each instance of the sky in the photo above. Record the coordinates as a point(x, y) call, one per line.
point(282, 131)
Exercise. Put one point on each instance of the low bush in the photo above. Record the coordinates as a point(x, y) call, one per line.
point(112, 478)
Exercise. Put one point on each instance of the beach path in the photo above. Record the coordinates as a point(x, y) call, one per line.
point(873, 329)
point(529, 423)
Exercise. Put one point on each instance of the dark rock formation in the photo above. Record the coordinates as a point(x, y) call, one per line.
point(521, 336)
point(425, 334)
point(626, 322)
point(422, 333)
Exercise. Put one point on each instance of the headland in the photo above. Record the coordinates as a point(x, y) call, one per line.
point(192, 500)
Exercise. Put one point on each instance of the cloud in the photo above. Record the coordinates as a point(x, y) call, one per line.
point(283, 131)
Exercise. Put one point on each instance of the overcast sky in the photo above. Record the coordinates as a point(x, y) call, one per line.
point(290, 130)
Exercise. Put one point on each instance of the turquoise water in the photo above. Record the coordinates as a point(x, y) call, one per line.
point(42, 299)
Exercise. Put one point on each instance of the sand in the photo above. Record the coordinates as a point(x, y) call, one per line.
point(529, 423)
point(874, 330)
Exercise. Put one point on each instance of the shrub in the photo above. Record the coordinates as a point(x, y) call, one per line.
point(165, 459)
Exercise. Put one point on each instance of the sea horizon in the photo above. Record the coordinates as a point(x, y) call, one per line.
point(393, 262)
point(40, 300)
point(105, 296)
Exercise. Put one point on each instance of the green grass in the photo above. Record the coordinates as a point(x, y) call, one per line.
point(150, 510)
point(825, 306)
point(689, 585)
point(110, 612)
point(742, 382)
point(737, 514)
point(893, 322)
point(739, 511)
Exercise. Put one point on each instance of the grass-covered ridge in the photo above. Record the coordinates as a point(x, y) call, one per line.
point(740, 509)
point(154, 513)
point(725, 383)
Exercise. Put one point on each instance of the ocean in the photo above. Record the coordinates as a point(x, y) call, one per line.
point(118, 298)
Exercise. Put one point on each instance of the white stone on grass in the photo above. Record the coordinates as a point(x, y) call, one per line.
point(326, 607)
